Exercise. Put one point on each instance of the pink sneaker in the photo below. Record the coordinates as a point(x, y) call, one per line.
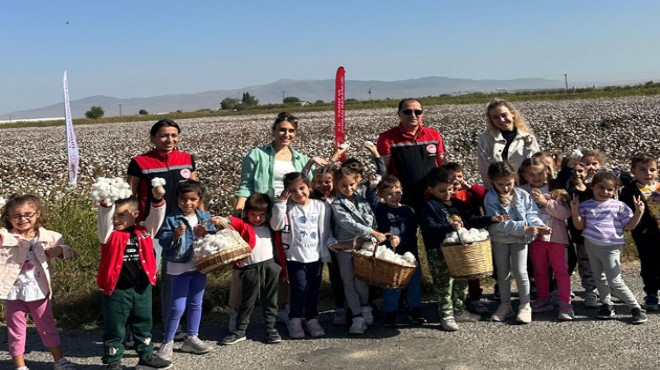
point(296, 329)
point(314, 328)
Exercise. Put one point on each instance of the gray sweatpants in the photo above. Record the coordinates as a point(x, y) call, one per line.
point(605, 262)
point(511, 259)
point(355, 290)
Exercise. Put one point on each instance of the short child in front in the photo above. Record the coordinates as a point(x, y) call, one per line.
point(126, 276)
point(603, 220)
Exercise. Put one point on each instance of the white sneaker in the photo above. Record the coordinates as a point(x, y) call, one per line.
point(64, 364)
point(524, 314)
point(367, 315)
point(358, 326)
point(448, 323)
point(193, 344)
point(296, 330)
point(233, 317)
point(503, 312)
point(165, 351)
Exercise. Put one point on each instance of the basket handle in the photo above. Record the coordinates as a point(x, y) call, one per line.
point(459, 238)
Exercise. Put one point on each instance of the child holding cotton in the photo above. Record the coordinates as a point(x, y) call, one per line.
point(440, 215)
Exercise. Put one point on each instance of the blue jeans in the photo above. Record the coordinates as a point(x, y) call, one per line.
point(305, 281)
point(187, 291)
point(414, 289)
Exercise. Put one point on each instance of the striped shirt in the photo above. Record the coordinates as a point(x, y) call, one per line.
point(605, 220)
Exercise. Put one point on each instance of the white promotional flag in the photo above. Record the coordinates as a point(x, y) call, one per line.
point(71, 144)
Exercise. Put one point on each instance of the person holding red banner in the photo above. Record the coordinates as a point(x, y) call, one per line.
point(410, 150)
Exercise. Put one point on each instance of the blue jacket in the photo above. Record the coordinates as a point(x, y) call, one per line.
point(351, 220)
point(522, 212)
point(181, 250)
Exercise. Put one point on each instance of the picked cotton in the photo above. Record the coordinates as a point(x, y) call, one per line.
point(384, 253)
point(214, 243)
point(2, 202)
point(466, 235)
point(109, 190)
point(157, 181)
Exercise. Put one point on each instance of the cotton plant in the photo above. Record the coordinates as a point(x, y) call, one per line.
point(385, 253)
point(108, 190)
point(466, 236)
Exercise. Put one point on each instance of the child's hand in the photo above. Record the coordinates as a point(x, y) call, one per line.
point(200, 230)
point(538, 197)
point(639, 204)
point(575, 202)
point(395, 241)
point(158, 192)
point(528, 141)
point(499, 218)
point(341, 150)
point(180, 230)
point(320, 162)
point(544, 230)
point(457, 224)
point(379, 236)
point(373, 150)
point(217, 221)
point(284, 195)
point(54, 252)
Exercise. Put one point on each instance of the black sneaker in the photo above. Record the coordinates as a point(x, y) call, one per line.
point(638, 316)
point(416, 316)
point(272, 336)
point(651, 303)
point(605, 312)
point(152, 362)
point(390, 319)
point(234, 337)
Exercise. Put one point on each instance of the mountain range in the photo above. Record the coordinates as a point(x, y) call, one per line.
point(305, 90)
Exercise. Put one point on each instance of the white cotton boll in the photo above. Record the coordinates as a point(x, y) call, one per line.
point(409, 258)
point(157, 181)
point(369, 143)
point(344, 146)
point(576, 154)
point(369, 246)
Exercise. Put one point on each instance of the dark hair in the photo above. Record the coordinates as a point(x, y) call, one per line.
point(131, 201)
point(500, 169)
point(606, 176)
point(288, 117)
point(342, 172)
point(438, 175)
point(190, 186)
point(643, 158)
point(166, 122)
point(596, 153)
point(355, 165)
point(258, 202)
point(388, 182)
point(403, 101)
point(453, 166)
point(292, 177)
point(19, 200)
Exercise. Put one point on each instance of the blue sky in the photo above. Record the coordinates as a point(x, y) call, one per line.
point(142, 48)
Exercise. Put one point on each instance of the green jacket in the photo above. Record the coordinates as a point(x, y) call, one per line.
point(257, 170)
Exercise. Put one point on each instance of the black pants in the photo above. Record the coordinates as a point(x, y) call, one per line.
point(260, 279)
point(648, 248)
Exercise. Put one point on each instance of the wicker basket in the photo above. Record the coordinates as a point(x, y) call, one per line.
point(469, 260)
point(379, 272)
point(240, 250)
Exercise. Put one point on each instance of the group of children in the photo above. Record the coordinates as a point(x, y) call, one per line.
point(562, 220)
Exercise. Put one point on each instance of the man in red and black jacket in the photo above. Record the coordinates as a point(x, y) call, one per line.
point(411, 150)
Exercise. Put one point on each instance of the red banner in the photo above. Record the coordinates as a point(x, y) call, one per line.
point(340, 117)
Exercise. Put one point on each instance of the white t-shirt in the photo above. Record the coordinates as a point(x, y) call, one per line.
point(281, 168)
point(178, 268)
point(263, 249)
point(26, 287)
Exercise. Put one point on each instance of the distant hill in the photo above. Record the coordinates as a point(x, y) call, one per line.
point(306, 90)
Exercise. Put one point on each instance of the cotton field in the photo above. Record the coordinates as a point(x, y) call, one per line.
point(34, 159)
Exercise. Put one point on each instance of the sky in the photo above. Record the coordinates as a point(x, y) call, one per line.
point(142, 48)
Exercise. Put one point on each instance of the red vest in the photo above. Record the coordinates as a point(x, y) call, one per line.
point(112, 258)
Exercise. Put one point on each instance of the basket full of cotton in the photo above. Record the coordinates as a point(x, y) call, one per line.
point(468, 253)
point(214, 251)
point(380, 266)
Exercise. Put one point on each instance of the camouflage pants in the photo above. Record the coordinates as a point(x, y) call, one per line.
point(450, 293)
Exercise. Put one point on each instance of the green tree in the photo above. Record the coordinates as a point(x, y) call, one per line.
point(319, 102)
point(143, 112)
point(249, 100)
point(95, 112)
point(230, 103)
point(291, 100)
